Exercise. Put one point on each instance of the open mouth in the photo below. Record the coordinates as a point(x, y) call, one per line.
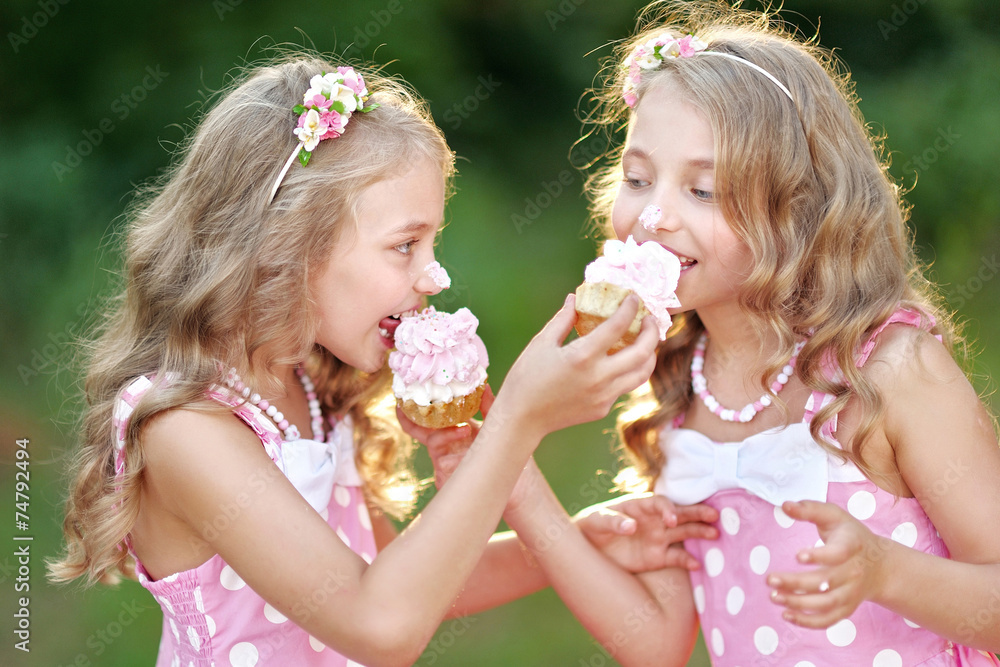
point(686, 262)
point(387, 325)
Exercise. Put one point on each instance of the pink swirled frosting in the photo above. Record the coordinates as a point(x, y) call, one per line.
point(438, 356)
point(649, 270)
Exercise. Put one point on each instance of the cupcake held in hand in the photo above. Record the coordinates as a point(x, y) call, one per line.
point(439, 367)
point(650, 271)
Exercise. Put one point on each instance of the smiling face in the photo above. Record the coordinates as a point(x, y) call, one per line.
point(377, 269)
point(669, 162)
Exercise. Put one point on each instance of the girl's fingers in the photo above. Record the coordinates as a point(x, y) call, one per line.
point(816, 621)
point(608, 332)
point(826, 516)
point(487, 402)
point(821, 580)
point(606, 521)
point(556, 330)
point(677, 557)
point(692, 531)
point(696, 513)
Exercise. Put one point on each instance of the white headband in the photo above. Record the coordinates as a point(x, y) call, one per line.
point(652, 53)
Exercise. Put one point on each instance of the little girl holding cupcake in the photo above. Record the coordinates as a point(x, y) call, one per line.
point(239, 455)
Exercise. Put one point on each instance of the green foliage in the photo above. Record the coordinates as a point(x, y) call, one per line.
point(90, 110)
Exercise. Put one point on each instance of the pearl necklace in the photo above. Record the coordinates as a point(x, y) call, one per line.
point(290, 431)
point(748, 412)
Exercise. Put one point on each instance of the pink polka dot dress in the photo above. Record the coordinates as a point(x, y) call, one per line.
point(747, 482)
point(210, 616)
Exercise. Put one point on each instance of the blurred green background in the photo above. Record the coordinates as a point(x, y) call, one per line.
point(96, 93)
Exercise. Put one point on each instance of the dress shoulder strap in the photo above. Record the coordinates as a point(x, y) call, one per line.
point(818, 399)
point(248, 413)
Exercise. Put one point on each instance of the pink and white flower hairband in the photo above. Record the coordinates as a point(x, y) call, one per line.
point(651, 54)
point(326, 107)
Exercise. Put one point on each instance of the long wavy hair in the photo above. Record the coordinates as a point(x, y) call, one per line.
point(216, 276)
point(805, 186)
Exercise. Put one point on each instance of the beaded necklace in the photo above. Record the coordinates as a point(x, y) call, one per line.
point(289, 430)
point(748, 412)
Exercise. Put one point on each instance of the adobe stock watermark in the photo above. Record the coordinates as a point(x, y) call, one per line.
point(367, 32)
point(942, 143)
point(57, 350)
point(562, 12)
point(460, 111)
point(223, 7)
point(632, 624)
point(121, 107)
point(988, 268)
point(30, 25)
point(101, 639)
point(900, 15)
point(446, 637)
point(550, 191)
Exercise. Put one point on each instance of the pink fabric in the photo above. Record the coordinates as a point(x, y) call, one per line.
point(210, 616)
point(742, 626)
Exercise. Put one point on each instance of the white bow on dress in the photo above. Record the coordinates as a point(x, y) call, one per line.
point(315, 467)
point(776, 465)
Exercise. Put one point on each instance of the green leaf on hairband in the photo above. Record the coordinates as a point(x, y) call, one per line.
point(304, 156)
point(370, 107)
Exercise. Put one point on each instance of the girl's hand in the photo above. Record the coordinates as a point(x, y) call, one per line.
point(552, 386)
point(642, 532)
point(848, 573)
point(446, 446)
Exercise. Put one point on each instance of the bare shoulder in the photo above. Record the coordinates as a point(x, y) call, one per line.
point(904, 354)
point(187, 447)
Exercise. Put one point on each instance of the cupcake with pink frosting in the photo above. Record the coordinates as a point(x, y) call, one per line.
point(649, 270)
point(439, 367)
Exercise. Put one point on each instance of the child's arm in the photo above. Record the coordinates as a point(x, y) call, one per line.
point(947, 455)
point(640, 532)
point(640, 619)
point(197, 464)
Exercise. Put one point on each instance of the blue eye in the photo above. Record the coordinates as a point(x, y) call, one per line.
point(703, 195)
point(405, 248)
point(634, 182)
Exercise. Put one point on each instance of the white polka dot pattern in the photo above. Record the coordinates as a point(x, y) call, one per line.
point(714, 562)
point(316, 644)
point(734, 600)
point(342, 495)
point(243, 654)
point(783, 519)
point(730, 520)
point(760, 559)
point(765, 640)
point(862, 505)
point(718, 645)
point(842, 633)
point(273, 615)
point(230, 580)
point(905, 534)
point(888, 658)
point(699, 599)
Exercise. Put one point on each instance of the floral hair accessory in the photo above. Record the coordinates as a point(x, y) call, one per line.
point(325, 110)
point(438, 274)
point(651, 54)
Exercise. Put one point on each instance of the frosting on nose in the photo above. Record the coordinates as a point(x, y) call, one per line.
point(438, 274)
point(650, 216)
